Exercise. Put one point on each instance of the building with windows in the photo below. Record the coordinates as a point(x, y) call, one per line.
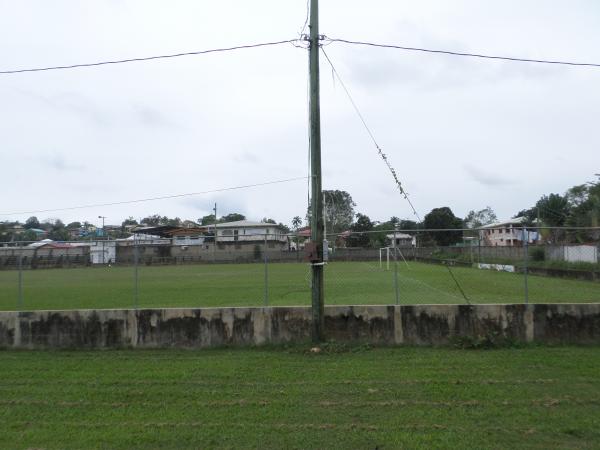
point(243, 232)
point(509, 233)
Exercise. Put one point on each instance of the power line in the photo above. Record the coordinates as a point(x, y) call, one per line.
point(362, 119)
point(306, 19)
point(148, 58)
point(471, 55)
point(126, 202)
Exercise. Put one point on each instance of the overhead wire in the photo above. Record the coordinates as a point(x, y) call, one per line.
point(306, 19)
point(163, 197)
point(148, 58)
point(464, 54)
point(298, 42)
point(379, 150)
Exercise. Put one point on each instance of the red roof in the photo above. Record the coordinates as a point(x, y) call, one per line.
point(304, 232)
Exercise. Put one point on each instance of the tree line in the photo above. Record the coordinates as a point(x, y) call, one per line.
point(579, 206)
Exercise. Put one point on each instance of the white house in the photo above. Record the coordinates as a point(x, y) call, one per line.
point(403, 240)
point(246, 231)
point(509, 233)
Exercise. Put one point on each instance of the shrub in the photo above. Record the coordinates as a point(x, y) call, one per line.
point(538, 254)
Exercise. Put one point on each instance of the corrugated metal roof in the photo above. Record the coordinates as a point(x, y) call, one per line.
point(243, 223)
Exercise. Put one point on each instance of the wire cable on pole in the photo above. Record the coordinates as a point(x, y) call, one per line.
point(164, 197)
point(381, 154)
point(470, 55)
point(148, 58)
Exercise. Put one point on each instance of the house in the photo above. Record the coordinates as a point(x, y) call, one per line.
point(50, 249)
point(403, 240)
point(509, 233)
point(244, 232)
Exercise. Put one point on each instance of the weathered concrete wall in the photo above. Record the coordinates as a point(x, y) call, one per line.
point(210, 327)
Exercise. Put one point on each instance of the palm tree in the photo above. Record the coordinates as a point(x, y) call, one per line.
point(296, 222)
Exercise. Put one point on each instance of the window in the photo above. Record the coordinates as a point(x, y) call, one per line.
point(227, 233)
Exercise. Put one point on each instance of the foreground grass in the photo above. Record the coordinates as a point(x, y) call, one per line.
point(261, 398)
point(288, 284)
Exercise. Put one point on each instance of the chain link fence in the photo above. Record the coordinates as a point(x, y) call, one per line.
point(389, 267)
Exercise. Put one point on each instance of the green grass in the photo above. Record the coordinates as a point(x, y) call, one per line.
point(274, 398)
point(288, 284)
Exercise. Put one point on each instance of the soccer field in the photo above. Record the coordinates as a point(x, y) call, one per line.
point(215, 285)
point(534, 397)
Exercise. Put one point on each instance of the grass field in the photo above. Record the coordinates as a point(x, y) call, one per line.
point(276, 398)
point(288, 284)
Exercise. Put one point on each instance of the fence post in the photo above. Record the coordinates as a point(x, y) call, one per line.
point(266, 273)
point(395, 270)
point(20, 300)
point(135, 273)
point(525, 261)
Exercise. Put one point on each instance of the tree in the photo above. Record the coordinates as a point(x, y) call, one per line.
point(359, 238)
point(74, 226)
point(266, 220)
point(32, 222)
point(58, 231)
point(207, 220)
point(584, 202)
point(384, 228)
point(529, 215)
point(156, 220)
point(338, 209)
point(175, 222)
point(59, 234)
point(408, 225)
point(296, 222)
point(476, 219)
point(127, 222)
point(152, 221)
point(553, 210)
point(4, 235)
point(26, 236)
point(233, 217)
point(444, 219)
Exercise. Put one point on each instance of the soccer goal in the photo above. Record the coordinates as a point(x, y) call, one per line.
point(387, 257)
point(387, 251)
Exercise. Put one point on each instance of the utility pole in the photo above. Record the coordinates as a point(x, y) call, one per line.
point(215, 237)
point(103, 235)
point(316, 220)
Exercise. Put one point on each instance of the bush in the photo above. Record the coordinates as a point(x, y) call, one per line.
point(538, 254)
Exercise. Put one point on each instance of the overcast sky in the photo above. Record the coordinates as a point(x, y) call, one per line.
point(463, 133)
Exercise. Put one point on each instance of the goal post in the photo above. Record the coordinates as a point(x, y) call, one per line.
point(387, 257)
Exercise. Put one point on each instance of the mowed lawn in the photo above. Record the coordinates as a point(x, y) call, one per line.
point(212, 285)
point(276, 398)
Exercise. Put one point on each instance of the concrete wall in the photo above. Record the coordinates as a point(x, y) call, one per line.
point(210, 327)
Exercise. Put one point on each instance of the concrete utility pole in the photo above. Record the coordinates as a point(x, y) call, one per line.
point(103, 235)
point(215, 235)
point(316, 220)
